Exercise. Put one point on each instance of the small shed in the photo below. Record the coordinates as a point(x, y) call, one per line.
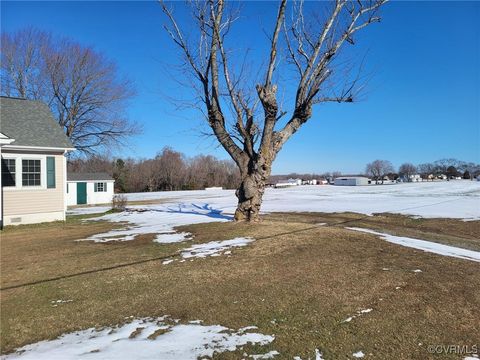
point(351, 181)
point(89, 188)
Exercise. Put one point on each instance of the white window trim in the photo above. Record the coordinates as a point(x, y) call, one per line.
point(18, 172)
point(104, 186)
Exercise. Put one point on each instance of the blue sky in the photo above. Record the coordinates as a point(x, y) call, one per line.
point(421, 104)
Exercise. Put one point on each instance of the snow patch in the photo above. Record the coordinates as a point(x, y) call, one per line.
point(157, 219)
point(358, 354)
point(427, 246)
point(143, 339)
point(60, 301)
point(55, 303)
point(213, 248)
point(365, 311)
point(359, 313)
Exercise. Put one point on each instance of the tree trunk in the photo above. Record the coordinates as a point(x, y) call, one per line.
point(250, 192)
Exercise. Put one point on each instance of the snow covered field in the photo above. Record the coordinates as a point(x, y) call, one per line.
point(447, 199)
point(454, 199)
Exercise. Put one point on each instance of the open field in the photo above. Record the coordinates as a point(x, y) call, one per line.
point(305, 280)
point(458, 199)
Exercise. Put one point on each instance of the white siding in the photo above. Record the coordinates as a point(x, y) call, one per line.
point(351, 181)
point(93, 197)
point(35, 203)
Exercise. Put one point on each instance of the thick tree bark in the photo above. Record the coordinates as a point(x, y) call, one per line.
point(250, 192)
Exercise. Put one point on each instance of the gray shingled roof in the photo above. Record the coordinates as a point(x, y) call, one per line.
point(31, 123)
point(88, 176)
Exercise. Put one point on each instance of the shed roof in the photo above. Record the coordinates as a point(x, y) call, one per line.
point(31, 123)
point(88, 176)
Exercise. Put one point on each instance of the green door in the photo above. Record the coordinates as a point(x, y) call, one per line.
point(81, 193)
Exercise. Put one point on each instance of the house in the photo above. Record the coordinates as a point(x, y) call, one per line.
point(33, 150)
point(351, 181)
point(89, 188)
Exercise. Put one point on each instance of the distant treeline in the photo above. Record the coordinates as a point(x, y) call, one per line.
point(169, 170)
point(172, 170)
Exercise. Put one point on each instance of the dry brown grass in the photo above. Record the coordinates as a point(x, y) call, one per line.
point(298, 281)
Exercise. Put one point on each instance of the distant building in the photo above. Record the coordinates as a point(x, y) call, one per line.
point(351, 181)
point(89, 188)
point(289, 182)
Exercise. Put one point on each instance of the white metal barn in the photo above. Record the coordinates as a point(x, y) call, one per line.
point(351, 181)
point(89, 188)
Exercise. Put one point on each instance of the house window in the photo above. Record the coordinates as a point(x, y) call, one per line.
point(100, 187)
point(8, 172)
point(31, 173)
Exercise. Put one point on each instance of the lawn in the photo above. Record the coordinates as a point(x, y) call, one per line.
point(301, 280)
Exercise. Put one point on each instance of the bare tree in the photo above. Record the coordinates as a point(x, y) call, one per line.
point(253, 137)
point(170, 169)
point(80, 85)
point(442, 165)
point(23, 64)
point(407, 170)
point(469, 168)
point(378, 169)
point(427, 170)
